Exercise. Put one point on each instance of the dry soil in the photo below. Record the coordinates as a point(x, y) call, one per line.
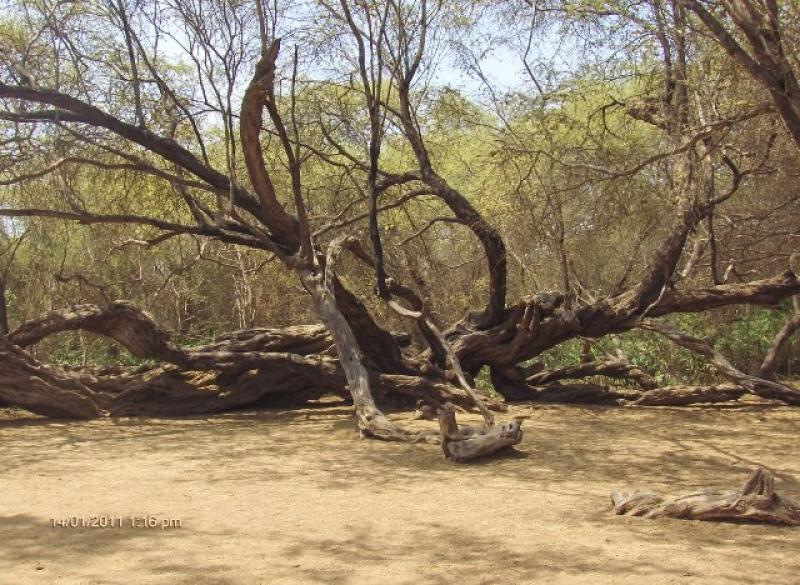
point(298, 497)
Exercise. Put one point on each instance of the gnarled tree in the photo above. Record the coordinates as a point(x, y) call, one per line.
point(243, 178)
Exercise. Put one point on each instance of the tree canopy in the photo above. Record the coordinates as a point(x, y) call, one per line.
point(458, 203)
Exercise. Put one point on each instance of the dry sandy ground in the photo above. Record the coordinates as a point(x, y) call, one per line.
point(297, 497)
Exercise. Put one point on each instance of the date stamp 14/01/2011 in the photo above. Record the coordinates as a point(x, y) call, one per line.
point(146, 522)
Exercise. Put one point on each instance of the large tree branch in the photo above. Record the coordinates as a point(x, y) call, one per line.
point(768, 292)
point(275, 216)
point(75, 110)
point(542, 321)
point(766, 62)
point(607, 368)
point(231, 234)
point(759, 386)
point(48, 391)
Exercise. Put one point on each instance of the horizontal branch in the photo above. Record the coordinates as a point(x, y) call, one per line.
point(759, 386)
point(212, 231)
point(608, 368)
point(71, 109)
point(768, 292)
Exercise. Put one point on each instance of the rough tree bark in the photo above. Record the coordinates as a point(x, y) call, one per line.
point(48, 391)
point(466, 443)
point(608, 368)
point(244, 368)
point(755, 502)
point(3, 308)
point(371, 421)
point(541, 322)
point(266, 366)
point(684, 395)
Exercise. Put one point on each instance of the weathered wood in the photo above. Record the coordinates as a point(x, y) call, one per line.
point(543, 321)
point(122, 321)
point(755, 502)
point(42, 390)
point(140, 334)
point(371, 421)
point(685, 394)
point(467, 443)
point(583, 393)
point(439, 344)
point(509, 381)
point(3, 307)
point(251, 368)
point(759, 386)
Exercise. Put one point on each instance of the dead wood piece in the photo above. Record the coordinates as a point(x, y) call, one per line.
point(467, 443)
point(424, 412)
point(582, 393)
point(756, 502)
point(121, 320)
point(609, 368)
point(684, 395)
point(46, 391)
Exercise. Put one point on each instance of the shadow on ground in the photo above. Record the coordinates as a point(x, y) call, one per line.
point(334, 508)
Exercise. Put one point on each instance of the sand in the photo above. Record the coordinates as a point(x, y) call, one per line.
point(298, 497)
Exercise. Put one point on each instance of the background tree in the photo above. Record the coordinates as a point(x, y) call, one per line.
point(628, 182)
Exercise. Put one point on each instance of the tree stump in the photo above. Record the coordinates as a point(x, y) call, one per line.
point(466, 443)
point(756, 502)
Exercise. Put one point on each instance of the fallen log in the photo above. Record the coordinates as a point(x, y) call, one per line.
point(755, 502)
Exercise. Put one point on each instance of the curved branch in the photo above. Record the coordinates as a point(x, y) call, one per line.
point(47, 391)
point(224, 234)
point(767, 369)
point(759, 386)
point(608, 368)
point(74, 110)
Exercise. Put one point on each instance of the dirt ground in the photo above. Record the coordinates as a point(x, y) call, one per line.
point(297, 497)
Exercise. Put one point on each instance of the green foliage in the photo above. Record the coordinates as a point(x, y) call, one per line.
point(743, 335)
point(76, 348)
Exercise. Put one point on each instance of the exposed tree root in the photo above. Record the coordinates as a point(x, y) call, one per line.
point(755, 502)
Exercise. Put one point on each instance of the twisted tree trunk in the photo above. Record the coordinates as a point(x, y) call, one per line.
point(258, 367)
